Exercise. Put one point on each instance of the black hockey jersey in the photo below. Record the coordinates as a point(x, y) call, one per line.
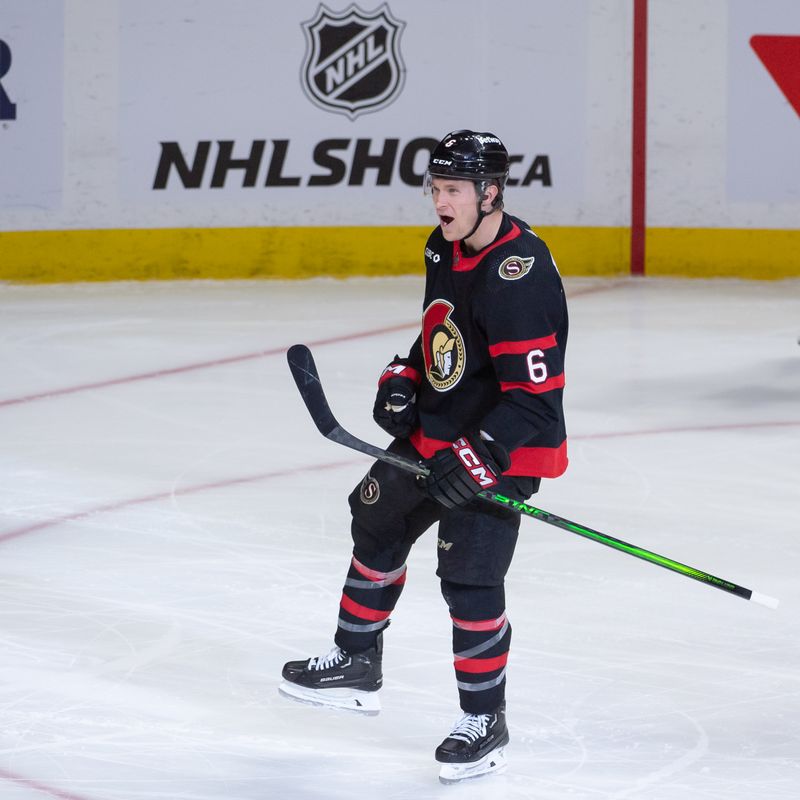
point(491, 352)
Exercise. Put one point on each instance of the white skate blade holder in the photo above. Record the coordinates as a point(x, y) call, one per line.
point(494, 762)
point(352, 700)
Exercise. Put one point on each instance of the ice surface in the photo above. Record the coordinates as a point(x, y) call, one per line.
point(173, 528)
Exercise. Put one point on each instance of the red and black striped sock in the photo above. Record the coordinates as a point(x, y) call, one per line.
point(368, 598)
point(480, 654)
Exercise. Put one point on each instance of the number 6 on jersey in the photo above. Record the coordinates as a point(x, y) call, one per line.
point(537, 368)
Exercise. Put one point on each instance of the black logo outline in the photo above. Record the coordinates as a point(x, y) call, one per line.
point(324, 25)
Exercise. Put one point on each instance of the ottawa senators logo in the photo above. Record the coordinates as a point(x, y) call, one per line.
point(515, 267)
point(443, 346)
point(370, 490)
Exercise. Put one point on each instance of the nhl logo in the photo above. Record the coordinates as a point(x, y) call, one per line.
point(353, 64)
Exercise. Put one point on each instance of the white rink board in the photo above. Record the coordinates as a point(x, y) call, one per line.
point(31, 111)
point(553, 79)
point(252, 91)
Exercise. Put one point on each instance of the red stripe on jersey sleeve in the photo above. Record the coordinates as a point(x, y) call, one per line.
point(518, 348)
point(426, 446)
point(556, 382)
point(542, 462)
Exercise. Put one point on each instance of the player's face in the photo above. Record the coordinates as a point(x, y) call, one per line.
point(456, 204)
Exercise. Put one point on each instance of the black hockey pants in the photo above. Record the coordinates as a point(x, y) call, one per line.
point(475, 546)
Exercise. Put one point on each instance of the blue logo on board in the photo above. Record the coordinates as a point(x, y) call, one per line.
point(8, 110)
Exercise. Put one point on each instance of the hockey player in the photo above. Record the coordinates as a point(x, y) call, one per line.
point(479, 399)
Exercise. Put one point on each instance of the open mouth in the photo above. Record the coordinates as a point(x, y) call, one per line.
point(445, 220)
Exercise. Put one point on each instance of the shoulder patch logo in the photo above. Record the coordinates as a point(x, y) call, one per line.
point(442, 345)
point(515, 267)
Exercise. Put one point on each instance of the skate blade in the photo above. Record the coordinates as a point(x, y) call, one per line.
point(353, 700)
point(492, 763)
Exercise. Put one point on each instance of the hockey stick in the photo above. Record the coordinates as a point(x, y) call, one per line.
point(305, 374)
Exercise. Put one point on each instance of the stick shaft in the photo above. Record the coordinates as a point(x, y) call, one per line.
point(619, 544)
point(305, 374)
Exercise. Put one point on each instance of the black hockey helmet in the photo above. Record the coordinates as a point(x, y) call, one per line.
point(471, 155)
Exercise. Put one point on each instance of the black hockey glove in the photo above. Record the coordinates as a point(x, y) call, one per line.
point(395, 407)
point(458, 473)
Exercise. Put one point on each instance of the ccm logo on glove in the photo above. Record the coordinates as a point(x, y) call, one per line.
point(481, 474)
point(459, 472)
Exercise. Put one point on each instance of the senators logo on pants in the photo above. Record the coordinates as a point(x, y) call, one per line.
point(370, 490)
point(442, 345)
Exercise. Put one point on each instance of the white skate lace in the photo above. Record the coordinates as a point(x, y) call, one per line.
point(330, 660)
point(470, 727)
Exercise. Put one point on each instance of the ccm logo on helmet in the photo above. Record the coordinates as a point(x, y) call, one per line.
point(480, 473)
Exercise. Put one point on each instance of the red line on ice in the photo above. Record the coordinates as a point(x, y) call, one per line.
point(39, 787)
point(221, 362)
point(732, 426)
point(223, 484)
point(218, 362)
point(151, 498)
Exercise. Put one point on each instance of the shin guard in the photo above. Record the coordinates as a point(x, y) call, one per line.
point(481, 642)
point(368, 599)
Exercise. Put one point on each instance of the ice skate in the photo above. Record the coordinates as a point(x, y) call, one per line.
point(475, 747)
point(337, 680)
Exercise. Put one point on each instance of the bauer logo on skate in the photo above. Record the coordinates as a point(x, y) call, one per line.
point(443, 346)
point(353, 64)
